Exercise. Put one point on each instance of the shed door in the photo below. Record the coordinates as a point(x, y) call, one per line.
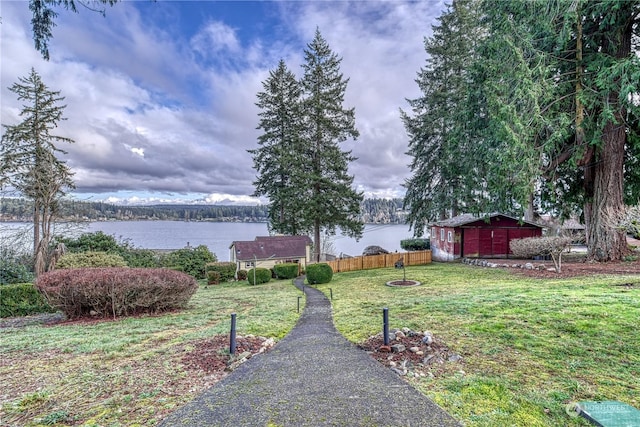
point(485, 243)
point(500, 242)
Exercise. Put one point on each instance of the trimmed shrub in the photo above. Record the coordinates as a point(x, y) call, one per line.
point(192, 261)
point(242, 274)
point(536, 246)
point(318, 274)
point(213, 278)
point(116, 291)
point(227, 270)
point(286, 271)
point(12, 271)
point(415, 244)
point(22, 299)
point(90, 260)
point(141, 258)
point(262, 275)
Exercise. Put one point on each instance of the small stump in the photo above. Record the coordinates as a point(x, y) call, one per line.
point(403, 283)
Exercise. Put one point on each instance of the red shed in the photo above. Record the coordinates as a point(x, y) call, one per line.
point(472, 236)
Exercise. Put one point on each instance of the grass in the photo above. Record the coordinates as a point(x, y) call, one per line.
point(128, 372)
point(530, 346)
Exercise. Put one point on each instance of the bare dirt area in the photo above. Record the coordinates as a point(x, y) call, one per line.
point(580, 267)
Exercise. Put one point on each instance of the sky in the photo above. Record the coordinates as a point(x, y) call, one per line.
point(160, 96)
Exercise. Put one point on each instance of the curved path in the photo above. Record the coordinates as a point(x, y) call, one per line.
point(313, 377)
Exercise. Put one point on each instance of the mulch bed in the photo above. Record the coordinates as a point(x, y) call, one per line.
point(212, 355)
point(577, 268)
point(434, 358)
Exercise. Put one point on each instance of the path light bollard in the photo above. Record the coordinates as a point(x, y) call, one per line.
point(299, 304)
point(385, 325)
point(232, 335)
point(331, 293)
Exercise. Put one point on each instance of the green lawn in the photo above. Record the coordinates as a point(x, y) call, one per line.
point(128, 372)
point(530, 346)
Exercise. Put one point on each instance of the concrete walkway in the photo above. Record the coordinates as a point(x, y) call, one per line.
point(313, 377)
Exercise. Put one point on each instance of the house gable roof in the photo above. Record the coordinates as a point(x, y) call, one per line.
point(264, 247)
point(464, 219)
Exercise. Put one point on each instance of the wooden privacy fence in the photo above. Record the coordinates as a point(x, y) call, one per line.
point(380, 261)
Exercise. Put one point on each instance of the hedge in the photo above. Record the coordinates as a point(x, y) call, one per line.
point(90, 259)
point(22, 299)
point(227, 270)
point(319, 273)
point(415, 244)
point(286, 271)
point(116, 291)
point(262, 275)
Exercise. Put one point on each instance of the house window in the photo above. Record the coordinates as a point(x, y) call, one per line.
point(449, 236)
point(442, 234)
point(434, 232)
point(248, 264)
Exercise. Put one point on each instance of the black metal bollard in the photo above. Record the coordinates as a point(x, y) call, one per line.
point(331, 293)
point(232, 335)
point(385, 325)
point(299, 304)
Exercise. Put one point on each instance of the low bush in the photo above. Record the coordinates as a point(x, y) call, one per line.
point(89, 260)
point(12, 271)
point(116, 291)
point(242, 274)
point(141, 258)
point(192, 261)
point(286, 271)
point(415, 244)
point(227, 270)
point(213, 278)
point(541, 246)
point(318, 274)
point(256, 276)
point(22, 299)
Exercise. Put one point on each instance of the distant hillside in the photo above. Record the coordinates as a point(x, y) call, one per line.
point(378, 211)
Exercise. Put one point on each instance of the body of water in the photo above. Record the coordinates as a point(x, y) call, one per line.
point(217, 236)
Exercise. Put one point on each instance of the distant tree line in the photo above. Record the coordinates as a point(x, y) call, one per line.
point(378, 211)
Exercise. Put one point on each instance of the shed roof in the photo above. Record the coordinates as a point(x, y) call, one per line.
point(464, 219)
point(264, 247)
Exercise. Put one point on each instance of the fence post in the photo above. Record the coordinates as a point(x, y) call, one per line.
point(232, 335)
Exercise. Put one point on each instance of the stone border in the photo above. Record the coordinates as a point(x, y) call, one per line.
point(485, 263)
point(415, 283)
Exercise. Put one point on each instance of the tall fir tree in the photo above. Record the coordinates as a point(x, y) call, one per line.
point(327, 198)
point(29, 161)
point(445, 165)
point(278, 157)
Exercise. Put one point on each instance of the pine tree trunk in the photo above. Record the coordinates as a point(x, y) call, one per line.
point(606, 239)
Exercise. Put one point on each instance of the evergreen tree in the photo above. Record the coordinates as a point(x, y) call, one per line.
point(29, 163)
point(446, 164)
point(43, 19)
point(277, 161)
point(326, 196)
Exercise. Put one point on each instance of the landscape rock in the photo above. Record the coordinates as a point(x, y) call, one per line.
point(428, 338)
point(454, 358)
point(398, 348)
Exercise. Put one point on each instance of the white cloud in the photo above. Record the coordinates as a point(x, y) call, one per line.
point(215, 37)
point(157, 110)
